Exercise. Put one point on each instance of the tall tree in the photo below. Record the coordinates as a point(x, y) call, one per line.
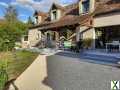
point(11, 29)
point(30, 22)
point(11, 14)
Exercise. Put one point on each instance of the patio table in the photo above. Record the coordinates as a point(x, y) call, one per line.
point(112, 44)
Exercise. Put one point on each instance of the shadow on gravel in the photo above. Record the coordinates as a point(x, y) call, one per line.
point(60, 74)
point(57, 72)
point(54, 73)
point(65, 74)
point(50, 74)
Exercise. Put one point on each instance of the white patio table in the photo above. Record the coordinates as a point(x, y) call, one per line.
point(114, 43)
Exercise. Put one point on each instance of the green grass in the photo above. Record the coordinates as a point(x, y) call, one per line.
point(17, 62)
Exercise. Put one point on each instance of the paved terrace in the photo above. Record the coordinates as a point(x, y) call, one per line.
point(63, 72)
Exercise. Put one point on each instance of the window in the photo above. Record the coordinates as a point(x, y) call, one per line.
point(54, 36)
point(26, 38)
point(38, 36)
point(48, 36)
point(85, 6)
point(54, 15)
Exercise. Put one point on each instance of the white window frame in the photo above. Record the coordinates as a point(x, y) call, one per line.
point(52, 15)
point(82, 12)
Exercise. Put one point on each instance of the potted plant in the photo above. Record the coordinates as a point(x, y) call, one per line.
point(87, 43)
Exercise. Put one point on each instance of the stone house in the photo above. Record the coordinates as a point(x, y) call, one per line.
point(98, 20)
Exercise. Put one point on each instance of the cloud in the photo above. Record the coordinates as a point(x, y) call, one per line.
point(1, 17)
point(66, 2)
point(27, 7)
point(42, 5)
point(23, 17)
point(3, 4)
point(25, 2)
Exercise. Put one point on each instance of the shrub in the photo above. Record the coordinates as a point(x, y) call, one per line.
point(87, 43)
point(3, 75)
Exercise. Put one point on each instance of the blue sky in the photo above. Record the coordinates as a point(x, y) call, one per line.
point(26, 8)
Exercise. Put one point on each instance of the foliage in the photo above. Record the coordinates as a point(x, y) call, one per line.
point(3, 74)
point(3, 78)
point(87, 43)
point(12, 64)
point(17, 62)
point(30, 22)
point(11, 14)
point(11, 29)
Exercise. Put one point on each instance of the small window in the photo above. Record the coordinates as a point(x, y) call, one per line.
point(48, 36)
point(54, 15)
point(54, 36)
point(25, 38)
point(38, 36)
point(85, 6)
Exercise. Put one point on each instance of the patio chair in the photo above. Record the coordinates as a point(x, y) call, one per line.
point(113, 47)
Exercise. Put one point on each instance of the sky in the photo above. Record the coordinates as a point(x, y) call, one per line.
point(26, 8)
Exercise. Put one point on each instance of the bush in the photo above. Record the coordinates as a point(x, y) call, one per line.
point(11, 29)
point(87, 43)
point(3, 75)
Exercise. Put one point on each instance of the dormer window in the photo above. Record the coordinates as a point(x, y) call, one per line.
point(54, 15)
point(85, 6)
point(56, 12)
point(40, 16)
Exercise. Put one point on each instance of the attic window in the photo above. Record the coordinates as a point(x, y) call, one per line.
point(54, 15)
point(85, 6)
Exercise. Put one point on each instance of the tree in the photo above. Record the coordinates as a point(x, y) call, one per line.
point(11, 14)
point(30, 22)
point(11, 29)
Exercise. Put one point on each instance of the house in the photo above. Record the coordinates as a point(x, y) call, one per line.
point(97, 20)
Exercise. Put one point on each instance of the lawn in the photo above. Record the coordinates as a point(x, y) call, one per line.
point(17, 62)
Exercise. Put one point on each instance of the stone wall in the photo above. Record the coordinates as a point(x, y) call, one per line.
point(86, 33)
point(34, 36)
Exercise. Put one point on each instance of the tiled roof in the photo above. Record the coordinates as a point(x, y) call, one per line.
point(57, 6)
point(40, 13)
point(113, 1)
point(72, 9)
point(65, 21)
point(102, 1)
point(107, 8)
point(71, 14)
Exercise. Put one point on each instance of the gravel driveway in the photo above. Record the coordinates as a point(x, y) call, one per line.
point(67, 73)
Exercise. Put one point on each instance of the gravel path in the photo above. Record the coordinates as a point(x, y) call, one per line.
point(61, 72)
point(66, 73)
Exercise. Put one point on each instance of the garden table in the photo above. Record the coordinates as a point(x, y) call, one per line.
point(112, 44)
